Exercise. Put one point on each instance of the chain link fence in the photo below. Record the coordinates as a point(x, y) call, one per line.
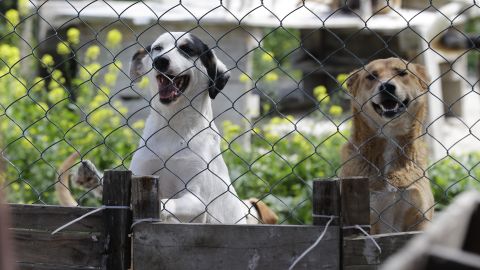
point(67, 96)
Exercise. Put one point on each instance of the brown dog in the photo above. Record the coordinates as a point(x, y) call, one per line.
point(389, 106)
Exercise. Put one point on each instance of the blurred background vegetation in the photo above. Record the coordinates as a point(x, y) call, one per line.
point(43, 119)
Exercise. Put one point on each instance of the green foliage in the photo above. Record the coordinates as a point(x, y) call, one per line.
point(43, 122)
point(280, 167)
point(452, 175)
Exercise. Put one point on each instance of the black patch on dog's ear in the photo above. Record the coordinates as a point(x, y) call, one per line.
point(137, 67)
point(218, 76)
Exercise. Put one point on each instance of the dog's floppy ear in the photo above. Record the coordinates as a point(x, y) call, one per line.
point(138, 66)
point(352, 81)
point(216, 70)
point(421, 74)
point(266, 214)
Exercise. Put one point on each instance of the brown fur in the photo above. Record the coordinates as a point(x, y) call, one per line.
point(401, 197)
point(266, 215)
point(62, 187)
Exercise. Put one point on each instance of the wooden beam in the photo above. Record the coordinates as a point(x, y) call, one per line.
point(50, 217)
point(116, 192)
point(210, 246)
point(63, 248)
point(360, 251)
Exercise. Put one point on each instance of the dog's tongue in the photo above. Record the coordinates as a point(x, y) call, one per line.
point(389, 105)
point(166, 88)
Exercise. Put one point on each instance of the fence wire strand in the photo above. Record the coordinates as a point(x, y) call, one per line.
point(283, 117)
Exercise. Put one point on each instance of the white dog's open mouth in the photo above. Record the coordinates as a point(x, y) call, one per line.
point(170, 87)
point(391, 108)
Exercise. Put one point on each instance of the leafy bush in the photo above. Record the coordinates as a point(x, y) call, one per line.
point(43, 121)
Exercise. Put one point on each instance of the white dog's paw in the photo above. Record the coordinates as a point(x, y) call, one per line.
point(88, 177)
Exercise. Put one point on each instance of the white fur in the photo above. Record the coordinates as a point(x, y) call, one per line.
point(181, 144)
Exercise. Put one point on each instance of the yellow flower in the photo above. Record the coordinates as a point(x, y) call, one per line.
point(267, 57)
point(335, 110)
point(244, 78)
point(140, 124)
point(92, 52)
point(56, 94)
point(43, 105)
point(119, 106)
point(99, 116)
point(271, 77)
point(15, 186)
point(144, 82)
point(99, 100)
point(23, 6)
point(110, 79)
point(14, 56)
point(18, 89)
point(342, 78)
point(38, 84)
point(320, 93)
point(12, 16)
point(62, 48)
point(47, 60)
point(57, 74)
point(266, 107)
point(9, 54)
point(114, 37)
point(276, 120)
point(73, 35)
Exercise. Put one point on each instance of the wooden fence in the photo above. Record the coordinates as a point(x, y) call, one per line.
point(101, 240)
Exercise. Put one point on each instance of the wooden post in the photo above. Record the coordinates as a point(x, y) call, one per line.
point(145, 199)
point(355, 205)
point(326, 201)
point(145, 204)
point(116, 192)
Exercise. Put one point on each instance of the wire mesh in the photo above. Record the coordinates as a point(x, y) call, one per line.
point(68, 102)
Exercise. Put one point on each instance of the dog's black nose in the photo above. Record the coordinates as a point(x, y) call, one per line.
point(161, 63)
point(387, 88)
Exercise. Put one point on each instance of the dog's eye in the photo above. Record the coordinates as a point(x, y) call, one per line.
point(402, 73)
point(371, 77)
point(157, 48)
point(187, 49)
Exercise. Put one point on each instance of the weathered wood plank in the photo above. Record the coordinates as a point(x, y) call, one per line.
point(360, 251)
point(326, 201)
point(201, 246)
point(116, 192)
point(50, 217)
point(355, 200)
point(145, 198)
point(39, 266)
point(64, 248)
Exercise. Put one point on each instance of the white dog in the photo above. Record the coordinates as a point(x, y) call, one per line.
point(180, 142)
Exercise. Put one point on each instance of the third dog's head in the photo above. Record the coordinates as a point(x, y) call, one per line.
point(388, 91)
point(182, 67)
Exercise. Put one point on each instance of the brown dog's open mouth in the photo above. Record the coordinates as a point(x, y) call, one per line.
point(170, 87)
point(391, 107)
